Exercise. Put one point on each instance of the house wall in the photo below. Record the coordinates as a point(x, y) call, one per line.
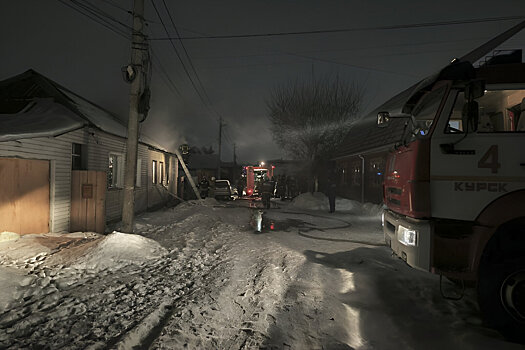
point(158, 190)
point(147, 194)
point(99, 144)
point(58, 151)
point(350, 177)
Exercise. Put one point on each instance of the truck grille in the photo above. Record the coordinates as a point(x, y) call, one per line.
point(394, 190)
point(394, 201)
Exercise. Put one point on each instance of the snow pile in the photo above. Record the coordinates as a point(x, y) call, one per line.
point(319, 201)
point(121, 249)
point(373, 209)
point(8, 236)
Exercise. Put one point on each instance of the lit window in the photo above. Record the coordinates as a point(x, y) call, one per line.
point(154, 171)
point(168, 171)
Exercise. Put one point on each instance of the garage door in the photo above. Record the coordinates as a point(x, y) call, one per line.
point(24, 195)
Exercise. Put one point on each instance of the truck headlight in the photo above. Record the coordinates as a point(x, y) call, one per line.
point(406, 236)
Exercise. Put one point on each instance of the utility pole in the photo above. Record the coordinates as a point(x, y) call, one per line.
point(220, 139)
point(136, 68)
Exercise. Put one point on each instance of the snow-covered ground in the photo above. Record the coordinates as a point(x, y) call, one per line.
point(199, 276)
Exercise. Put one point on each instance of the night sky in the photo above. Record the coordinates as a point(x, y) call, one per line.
point(238, 74)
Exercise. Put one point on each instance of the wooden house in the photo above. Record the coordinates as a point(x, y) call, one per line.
point(62, 161)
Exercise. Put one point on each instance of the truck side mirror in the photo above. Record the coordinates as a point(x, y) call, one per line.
point(474, 89)
point(383, 118)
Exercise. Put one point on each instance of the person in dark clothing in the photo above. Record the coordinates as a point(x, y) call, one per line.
point(204, 186)
point(332, 189)
point(267, 189)
point(240, 187)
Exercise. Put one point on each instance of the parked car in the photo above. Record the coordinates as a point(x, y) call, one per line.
point(223, 189)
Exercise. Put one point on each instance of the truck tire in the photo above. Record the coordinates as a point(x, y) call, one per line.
point(501, 296)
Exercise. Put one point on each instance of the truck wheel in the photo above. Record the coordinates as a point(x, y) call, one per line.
point(501, 295)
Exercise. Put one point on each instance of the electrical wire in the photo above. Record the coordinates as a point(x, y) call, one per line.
point(346, 30)
point(99, 12)
point(98, 20)
point(186, 52)
point(178, 55)
point(112, 3)
point(165, 75)
point(206, 103)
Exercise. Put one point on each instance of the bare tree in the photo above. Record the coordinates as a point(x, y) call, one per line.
point(310, 119)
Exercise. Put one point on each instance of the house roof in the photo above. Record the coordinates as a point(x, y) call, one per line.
point(365, 136)
point(32, 105)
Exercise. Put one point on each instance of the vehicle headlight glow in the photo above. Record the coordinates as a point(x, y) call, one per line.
point(406, 236)
point(383, 219)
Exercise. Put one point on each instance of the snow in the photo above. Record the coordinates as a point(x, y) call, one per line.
point(319, 201)
point(44, 118)
point(119, 249)
point(199, 276)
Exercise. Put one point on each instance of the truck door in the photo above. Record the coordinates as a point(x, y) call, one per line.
point(470, 169)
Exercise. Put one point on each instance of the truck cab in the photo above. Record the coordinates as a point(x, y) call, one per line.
point(455, 185)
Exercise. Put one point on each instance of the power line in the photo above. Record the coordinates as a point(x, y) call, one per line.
point(210, 105)
point(345, 30)
point(99, 12)
point(165, 75)
point(97, 19)
point(206, 103)
point(177, 53)
point(186, 53)
point(112, 3)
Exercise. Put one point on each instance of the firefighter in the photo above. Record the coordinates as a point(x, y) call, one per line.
point(204, 186)
point(267, 188)
point(240, 187)
point(332, 189)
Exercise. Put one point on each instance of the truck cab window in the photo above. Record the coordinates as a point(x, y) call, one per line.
point(499, 111)
point(426, 110)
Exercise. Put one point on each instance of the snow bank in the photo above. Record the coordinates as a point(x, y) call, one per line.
point(121, 248)
point(8, 236)
point(319, 201)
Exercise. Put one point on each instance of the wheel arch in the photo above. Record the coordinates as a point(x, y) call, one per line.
point(498, 223)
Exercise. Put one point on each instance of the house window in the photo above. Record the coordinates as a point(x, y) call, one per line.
point(161, 171)
point(138, 180)
point(115, 170)
point(168, 171)
point(78, 157)
point(154, 171)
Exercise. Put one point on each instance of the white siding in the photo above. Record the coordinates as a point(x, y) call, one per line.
point(157, 193)
point(99, 146)
point(58, 150)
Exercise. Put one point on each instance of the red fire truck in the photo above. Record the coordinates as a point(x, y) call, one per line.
point(455, 186)
point(254, 175)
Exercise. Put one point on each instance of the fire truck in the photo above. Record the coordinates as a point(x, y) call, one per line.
point(454, 187)
point(254, 175)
